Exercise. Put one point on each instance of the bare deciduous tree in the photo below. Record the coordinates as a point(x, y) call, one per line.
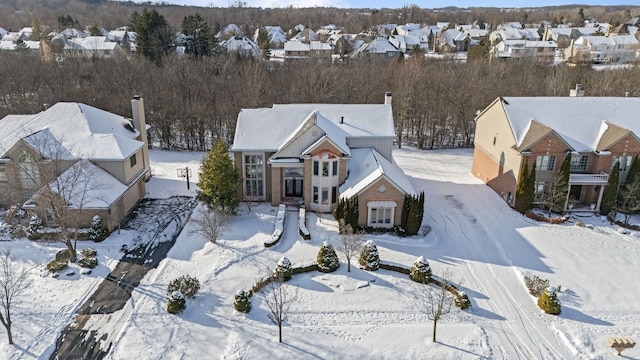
point(210, 224)
point(65, 186)
point(629, 200)
point(351, 242)
point(555, 194)
point(14, 281)
point(439, 301)
point(279, 299)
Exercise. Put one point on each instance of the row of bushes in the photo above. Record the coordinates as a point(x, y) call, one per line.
point(327, 261)
point(547, 297)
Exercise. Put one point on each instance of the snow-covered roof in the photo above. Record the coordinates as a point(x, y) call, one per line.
point(87, 186)
point(578, 120)
point(365, 167)
point(11, 45)
point(81, 130)
point(90, 43)
point(624, 39)
point(378, 45)
point(238, 43)
point(269, 129)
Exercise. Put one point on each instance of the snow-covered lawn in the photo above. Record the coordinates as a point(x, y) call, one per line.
point(375, 315)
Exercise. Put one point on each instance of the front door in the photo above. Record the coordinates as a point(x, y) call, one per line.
point(576, 192)
point(293, 187)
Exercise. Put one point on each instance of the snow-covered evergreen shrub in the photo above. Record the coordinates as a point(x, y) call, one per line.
point(63, 255)
point(420, 271)
point(369, 257)
point(535, 284)
point(549, 302)
point(327, 258)
point(242, 301)
point(35, 224)
point(57, 265)
point(98, 231)
point(176, 304)
point(88, 262)
point(462, 300)
point(283, 270)
point(89, 252)
point(185, 284)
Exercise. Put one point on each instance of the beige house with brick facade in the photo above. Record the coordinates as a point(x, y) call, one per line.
point(597, 132)
point(95, 161)
point(315, 154)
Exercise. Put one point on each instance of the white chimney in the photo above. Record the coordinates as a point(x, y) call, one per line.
point(387, 98)
point(577, 91)
point(139, 123)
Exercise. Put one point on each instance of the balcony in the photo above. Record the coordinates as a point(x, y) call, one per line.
point(588, 179)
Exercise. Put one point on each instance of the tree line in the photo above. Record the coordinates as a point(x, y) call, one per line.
point(191, 104)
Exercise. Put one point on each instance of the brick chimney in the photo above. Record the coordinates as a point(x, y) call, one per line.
point(137, 111)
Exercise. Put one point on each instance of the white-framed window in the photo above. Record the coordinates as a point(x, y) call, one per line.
point(540, 191)
point(579, 163)
point(29, 174)
point(381, 213)
point(625, 162)
point(545, 162)
point(253, 175)
point(325, 181)
point(3, 174)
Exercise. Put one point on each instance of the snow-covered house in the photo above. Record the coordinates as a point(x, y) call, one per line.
point(275, 34)
point(101, 158)
point(541, 52)
point(301, 50)
point(597, 132)
point(380, 48)
point(315, 154)
point(229, 31)
point(242, 45)
point(452, 40)
point(603, 49)
point(92, 47)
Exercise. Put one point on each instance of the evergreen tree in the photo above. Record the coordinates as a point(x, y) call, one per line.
point(200, 39)
point(414, 217)
point(283, 270)
point(523, 194)
point(98, 231)
point(369, 257)
point(177, 303)
point(611, 192)
point(263, 39)
point(242, 301)
point(154, 39)
point(549, 302)
point(420, 271)
point(219, 180)
point(327, 258)
point(94, 30)
point(634, 170)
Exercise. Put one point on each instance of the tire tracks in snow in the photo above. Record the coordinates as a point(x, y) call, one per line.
point(526, 338)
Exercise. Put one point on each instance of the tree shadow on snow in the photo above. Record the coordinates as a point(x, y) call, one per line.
point(573, 314)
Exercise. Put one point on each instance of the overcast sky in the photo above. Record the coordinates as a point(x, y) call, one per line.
point(397, 4)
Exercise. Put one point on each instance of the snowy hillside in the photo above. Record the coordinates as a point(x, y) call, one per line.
point(351, 315)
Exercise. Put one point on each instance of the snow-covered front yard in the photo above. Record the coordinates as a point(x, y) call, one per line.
point(377, 315)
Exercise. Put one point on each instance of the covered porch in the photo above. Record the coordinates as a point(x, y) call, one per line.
point(598, 180)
